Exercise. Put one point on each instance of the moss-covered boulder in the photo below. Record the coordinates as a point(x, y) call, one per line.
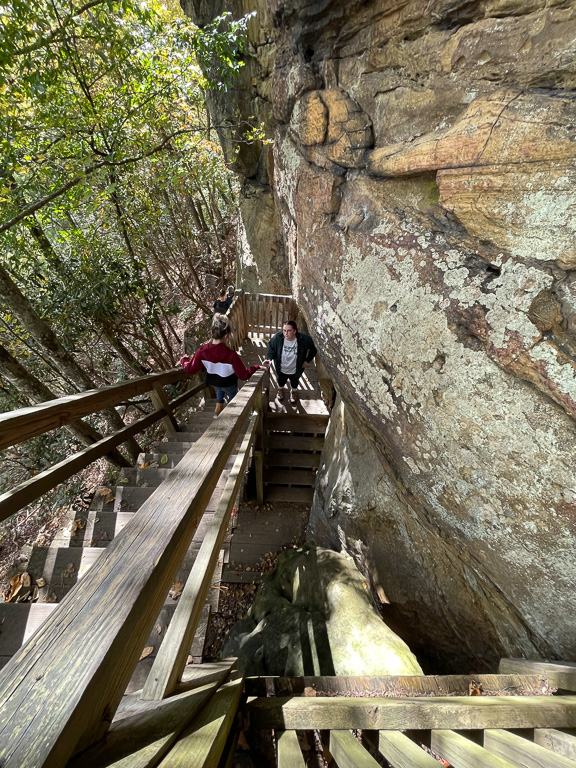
point(315, 616)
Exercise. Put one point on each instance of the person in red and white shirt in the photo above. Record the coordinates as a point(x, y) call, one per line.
point(223, 366)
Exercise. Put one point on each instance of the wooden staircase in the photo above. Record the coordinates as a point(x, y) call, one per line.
point(293, 444)
point(60, 566)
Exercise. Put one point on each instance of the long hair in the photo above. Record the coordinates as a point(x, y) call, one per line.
point(220, 326)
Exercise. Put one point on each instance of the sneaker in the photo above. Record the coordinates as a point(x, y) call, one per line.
point(293, 396)
point(280, 394)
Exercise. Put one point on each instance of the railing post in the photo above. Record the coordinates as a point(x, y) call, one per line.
point(261, 404)
point(161, 402)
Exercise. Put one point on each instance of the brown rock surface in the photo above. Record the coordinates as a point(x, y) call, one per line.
point(423, 184)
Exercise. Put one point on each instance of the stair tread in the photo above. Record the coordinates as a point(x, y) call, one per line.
point(287, 442)
point(281, 493)
point(285, 459)
point(289, 476)
point(287, 422)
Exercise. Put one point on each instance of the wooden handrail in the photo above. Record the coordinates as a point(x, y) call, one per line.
point(30, 490)
point(18, 426)
point(170, 661)
point(60, 691)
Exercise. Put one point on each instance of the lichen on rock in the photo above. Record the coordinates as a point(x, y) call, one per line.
point(314, 616)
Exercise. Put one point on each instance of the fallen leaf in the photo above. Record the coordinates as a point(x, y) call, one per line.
point(146, 652)
point(51, 598)
point(104, 491)
point(145, 465)
point(109, 499)
point(40, 582)
point(176, 590)
point(475, 689)
point(69, 571)
point(164, 459)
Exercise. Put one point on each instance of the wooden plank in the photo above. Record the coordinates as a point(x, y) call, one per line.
point(56, 703)
point(277, 459)
point(560, 673)
point(293, 495)
point(558, 741)
point(288, 750)
point(290, 477)
point(165, 460)
point(464, 753)
point(185, 396)
point(24, 423)
point(195, 676)
point(161, 402)
point(395, 685)
point(522, 752)
point(130, 498)
point(462, 712)
point(144, 738)
point(402, 752)
point(170, 662)
point(203, 741)
point(287, 422)
point(289, 442)
point(32, 489)
point(18, 622)
point(348, 752)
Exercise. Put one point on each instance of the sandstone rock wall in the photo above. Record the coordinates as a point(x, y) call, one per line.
point(422, 177)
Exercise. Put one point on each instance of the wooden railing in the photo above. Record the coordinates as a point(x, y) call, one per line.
point(58, 695)
point(259, 314)
point(25, 423)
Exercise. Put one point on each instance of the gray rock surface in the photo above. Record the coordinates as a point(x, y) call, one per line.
point(423, 181)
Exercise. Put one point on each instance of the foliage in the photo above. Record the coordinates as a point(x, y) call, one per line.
point(117, 209)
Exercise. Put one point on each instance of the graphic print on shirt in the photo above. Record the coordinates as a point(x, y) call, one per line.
point(289, 355)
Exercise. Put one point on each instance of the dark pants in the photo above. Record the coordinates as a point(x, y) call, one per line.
point(283, 378)
point(230, 391)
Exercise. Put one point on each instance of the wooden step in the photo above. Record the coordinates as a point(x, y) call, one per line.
point(18, 622)
point(289, 442)
point(290, 477)
point(191, 434)
point(175, 447)
point(130, 498)
point(307, 423)
point(143, 477)
point(279, 459)
point(60, 567)
point(102, 527)
point(159, 460)
point(282, 493)
point(197, 426)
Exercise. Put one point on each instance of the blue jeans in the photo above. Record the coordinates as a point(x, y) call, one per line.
point(229, 391)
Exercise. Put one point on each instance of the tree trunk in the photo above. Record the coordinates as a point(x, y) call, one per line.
point(34, 391)
point(123, 351)
point(54, 350)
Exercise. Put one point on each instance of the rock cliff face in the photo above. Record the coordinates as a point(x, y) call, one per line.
point(419, 201)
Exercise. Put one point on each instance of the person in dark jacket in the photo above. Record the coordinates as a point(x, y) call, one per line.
point(290, 351)
point(223, 302)
point(223, 366)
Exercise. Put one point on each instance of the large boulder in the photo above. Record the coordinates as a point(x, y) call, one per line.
point(315, 616)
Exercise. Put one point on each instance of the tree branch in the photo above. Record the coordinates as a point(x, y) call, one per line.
point(87, 172)
point(42, 41)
